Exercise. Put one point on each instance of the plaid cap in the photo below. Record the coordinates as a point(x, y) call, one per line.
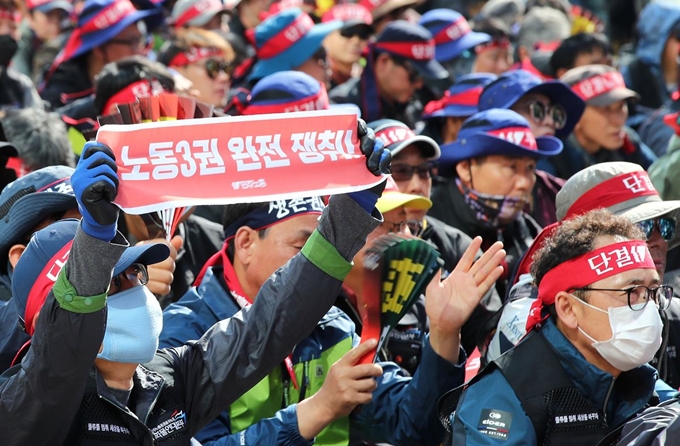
point(452, 33)
point(195, 12)
point(27, 201)
point(380, 8)
point(45, 255)
point(497, 132)
point(397, 136)
point(510, 86)
point(46, 6)
point(461, 100)
point(598, 85)
point(634, 198)
point(412, 42)
point(284, 41)
point(101, 21)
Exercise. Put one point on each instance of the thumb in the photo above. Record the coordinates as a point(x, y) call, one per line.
point(176, 244)
point(353, 356)
point(434, 283)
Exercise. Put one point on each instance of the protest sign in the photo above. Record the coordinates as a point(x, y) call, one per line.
point(236, 159)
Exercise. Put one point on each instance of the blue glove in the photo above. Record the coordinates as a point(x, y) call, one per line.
point(95, 184)
point(378, 161)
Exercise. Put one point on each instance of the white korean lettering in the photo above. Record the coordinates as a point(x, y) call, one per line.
point(136, 173)
point(163, 157)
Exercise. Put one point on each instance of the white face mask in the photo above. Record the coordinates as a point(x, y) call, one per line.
point(636, 336)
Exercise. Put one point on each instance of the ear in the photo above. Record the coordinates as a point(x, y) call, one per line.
point(244, 240)
point(463, 171)
point(566, 309)
point(14, 254)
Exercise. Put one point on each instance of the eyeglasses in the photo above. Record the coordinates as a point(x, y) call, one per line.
point(413, 74)
point(539, 111)
point(362, 32)
point(666, 227)
point(134, 43)
point(214, 66)
point(415, 227)
point(639, 295)
point(137, 274)
point(404, 172)
point(321, 58)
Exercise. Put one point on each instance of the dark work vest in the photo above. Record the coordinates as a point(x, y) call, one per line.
point(560, 414)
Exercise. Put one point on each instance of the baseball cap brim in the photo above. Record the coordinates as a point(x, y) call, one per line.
point(51, 6)
point(561, 94)
point(615, 95)
point(351, 25)
point(451, 50)
point(430, 69)
point(462, 149)
point(297, 54)
point(428, 145)
point(390, 201)
point(144, 254)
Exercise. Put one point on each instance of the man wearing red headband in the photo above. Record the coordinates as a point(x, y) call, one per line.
point(582, 369)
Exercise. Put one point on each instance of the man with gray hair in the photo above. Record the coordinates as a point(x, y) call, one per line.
point(542, 30)
point(40, 138)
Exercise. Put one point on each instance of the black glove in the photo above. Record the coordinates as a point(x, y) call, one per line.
point(95, 184)
point(378, 159)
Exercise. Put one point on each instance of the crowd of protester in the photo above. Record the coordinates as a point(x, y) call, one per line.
point(532, 142)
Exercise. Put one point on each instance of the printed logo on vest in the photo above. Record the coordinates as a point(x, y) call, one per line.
point(577, 418)
point(177, 422)
point(495, 423)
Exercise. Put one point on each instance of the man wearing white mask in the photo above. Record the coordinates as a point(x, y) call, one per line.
point(582, 369)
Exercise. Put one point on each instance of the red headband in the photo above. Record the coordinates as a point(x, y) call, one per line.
point(587, 269)
point(395, 134)
point(618, 189)
point(43, 284)
point(520, 136)
point(503, 42)
point(467, 98)
point(287, 37)
point(453, 32)
point(599, 84)
point(197, 9)
point(109, 16)
point(319, 101)
point(409, 50)
point(132, 92)
point(348, 11)
point(194, 54)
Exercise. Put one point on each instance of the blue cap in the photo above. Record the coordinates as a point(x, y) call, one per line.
point(101, 21)
point(497, 132)
point(297, 39)
point(413, 42)
point(29, 200)
point(512, 85)
point(461, 99)
point(452, 33)
point(48, 242)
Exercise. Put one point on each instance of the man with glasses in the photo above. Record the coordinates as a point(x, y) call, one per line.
point(106, 31)
point(398, 63)
point(414, 159)
point(582, 370)
point(601, 134)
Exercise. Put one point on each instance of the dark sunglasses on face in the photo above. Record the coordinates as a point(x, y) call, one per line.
point(413, 74)
point(214, 66)
point(404, 172)
point(666, 227)
point(362, 32)
point(539, 111)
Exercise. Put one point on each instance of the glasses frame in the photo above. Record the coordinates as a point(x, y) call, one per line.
point(663, 294)
point(545, 110)
point(137, 43)
point(219, 65)
point(415, 227)
point(648, 226)
point(425, 171)
point(141, 276)
point(414, 75)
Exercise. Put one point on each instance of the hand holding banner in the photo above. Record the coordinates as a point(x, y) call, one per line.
point(236, 159)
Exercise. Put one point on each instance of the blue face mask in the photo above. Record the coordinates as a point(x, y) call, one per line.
point(133, 326)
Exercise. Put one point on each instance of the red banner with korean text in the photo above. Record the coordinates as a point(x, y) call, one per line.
point(236, 159)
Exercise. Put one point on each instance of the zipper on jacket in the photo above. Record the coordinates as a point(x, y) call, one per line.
point(606, 400)
point(305, 381)
point(131, 415)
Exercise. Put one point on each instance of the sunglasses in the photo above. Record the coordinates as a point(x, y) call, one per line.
point(413, 74)
point(214, 66)
point(404, 172)
point(362, 32)
point(137, 274)
point(666, 227)
point(539, 111)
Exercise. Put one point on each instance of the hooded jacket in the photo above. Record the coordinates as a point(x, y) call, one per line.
point(69, 81)
point(183, 388)
point(643, 72)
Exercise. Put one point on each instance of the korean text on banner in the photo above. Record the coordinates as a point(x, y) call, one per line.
point(236, 159)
